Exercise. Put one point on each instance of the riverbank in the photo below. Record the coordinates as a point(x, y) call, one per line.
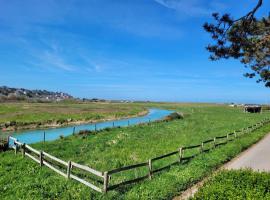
point(41, 135)
point(24, 115)
point(13, 126)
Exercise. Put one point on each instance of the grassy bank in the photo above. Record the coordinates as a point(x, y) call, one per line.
point(119, 147)
point(236, 184)
point(32, 115)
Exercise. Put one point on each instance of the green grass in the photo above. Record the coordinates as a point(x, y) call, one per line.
point(47, 112)
point(119, 147)
point(236, 185)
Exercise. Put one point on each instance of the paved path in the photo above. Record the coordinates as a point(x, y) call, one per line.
point(256, 157)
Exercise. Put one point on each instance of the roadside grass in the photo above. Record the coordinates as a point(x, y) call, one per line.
point(118, 147)
point(236, 185)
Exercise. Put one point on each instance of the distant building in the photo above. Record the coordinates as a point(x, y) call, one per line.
point(235, 105)
point(253, 108)
point(8, 93)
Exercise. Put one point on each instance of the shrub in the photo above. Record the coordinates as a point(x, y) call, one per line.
point(174, 115)
point(86, 132)
point(61, 137)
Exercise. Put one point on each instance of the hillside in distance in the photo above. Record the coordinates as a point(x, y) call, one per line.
point(15, 94)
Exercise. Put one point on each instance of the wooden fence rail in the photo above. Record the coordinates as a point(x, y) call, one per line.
point(207, 141)
point(165, 156)
point(86, 168)
point(43, 159)
point(127, 168)
point(191, 147)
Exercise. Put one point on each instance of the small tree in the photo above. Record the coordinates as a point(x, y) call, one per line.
point(246, 39)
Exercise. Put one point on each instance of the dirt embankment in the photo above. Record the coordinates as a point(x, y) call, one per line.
point(13, 126)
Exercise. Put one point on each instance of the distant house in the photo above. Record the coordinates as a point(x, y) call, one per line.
point(252, 108)
point(233, 105)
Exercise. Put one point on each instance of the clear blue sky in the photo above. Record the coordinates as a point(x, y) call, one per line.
point(121, 49)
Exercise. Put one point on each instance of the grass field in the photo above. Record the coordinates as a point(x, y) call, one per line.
point(47, 113)
point(119, 147)
point(236, 184)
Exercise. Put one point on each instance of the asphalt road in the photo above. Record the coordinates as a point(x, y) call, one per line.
point(256, 157)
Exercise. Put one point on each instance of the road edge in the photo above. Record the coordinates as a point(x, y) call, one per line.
point(190, 192)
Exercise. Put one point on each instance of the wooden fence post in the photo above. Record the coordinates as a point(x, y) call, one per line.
point(235, 134)
point(227, 138)
point(23, 150)
point(201, 148)
point(16, 147)
point(128, 122)
point(214, 142)
point(44, 137)
point(73, 130)
point(180, 154)
point(41, 158)
point(150, 168)
point(113, 124)
point(106, 181)
point(95, 127)
point(68, 169)
point(8, 139)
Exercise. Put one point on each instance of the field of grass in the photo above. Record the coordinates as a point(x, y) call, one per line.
point(124, 146)
point(236, 184)
point(42, 113)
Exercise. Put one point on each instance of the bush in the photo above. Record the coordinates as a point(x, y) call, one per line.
point(86, 132)
point(174, 115)
point(62, 137)
point(61, 121)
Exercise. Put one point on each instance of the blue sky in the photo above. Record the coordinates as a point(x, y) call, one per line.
point(121, 49)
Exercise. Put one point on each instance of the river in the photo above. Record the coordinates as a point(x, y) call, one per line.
point(34, 136)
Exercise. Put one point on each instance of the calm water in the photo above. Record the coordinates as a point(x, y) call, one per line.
point(33, 136)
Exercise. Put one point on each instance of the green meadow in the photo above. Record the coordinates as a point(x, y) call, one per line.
point(22, 114)
point(113, 148)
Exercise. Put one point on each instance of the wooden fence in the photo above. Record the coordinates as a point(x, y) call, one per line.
point(59, 166)
point(4, 143)
point(66, 169)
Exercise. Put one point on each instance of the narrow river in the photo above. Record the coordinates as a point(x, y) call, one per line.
point(33, 136)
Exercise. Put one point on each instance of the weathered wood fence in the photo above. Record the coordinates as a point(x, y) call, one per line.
point(59, 166)
point(4, 143)
point(66, 169)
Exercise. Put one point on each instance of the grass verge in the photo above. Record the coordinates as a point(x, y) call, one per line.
point(236, 185)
